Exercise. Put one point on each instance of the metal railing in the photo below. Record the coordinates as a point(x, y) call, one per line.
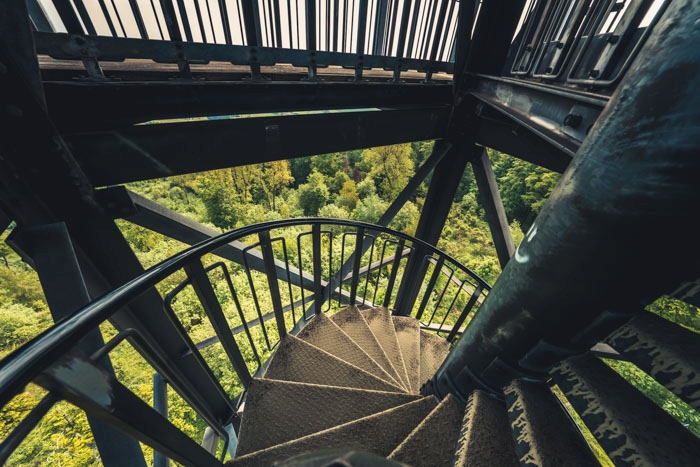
point(583, 43)
point(356, 34)
point(242, 310)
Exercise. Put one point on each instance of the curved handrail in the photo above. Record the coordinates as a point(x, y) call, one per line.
point(41, 353)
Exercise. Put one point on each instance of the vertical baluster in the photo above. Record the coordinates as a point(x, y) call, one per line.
point(369, 272)
point(85, 17)
point(183, 17)
point(225, 24)
point(119, 19)
point(394, 272)
point(402, 39)
point(316, 249)
point(429, 30)
point(447, 32)
point(251, 18)
point(211, 22)
point(439, 26)
point(160, 405)
point(108, 18)
point(391, 29)
point(311, 37)
point(135, 10)
point(155, 15)
point(200, 20)
point(271, 273)
point(290, 33)
point(429, 288)
point(379, 27)
point(467, 308)
point(357, 256)
point(254, 294)
point(442, 295)
point(207, 297)
point(361, 32)
point(414, 28)
point(278, 24)
point(336, 22)
point(39, 19)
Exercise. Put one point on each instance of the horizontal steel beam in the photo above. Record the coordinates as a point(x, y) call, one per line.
point(86, 106)
point(159, 150)
point(560, 116)
point(73, 47)
point(496, 131)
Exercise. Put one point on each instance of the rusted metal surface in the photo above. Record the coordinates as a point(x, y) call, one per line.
point(667, 352)
point(629, 426)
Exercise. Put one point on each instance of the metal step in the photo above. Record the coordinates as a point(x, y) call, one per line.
point(666, 351)
point(629, 426)
point(408, 335)
point(545, 435)
point(382, 326)
point(485, 437)
point(279, 411)
point(325, 334)
point(433, 351)
point(432, 442)
point(296, 360)
point(378, 434)
point(351, 321)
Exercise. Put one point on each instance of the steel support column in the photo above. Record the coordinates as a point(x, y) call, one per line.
point(493, 206)
point(438, 201)
point(615, 233)
point(51, 253)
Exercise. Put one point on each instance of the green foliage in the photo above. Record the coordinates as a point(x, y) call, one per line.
point(677, 311)
point(406, 219)
point(392, 167)
point(370, 209)
point(661, 396)
point(313, 195)
point(334, 212)
point(330, 164)
point(347, 197)
point(524, 188)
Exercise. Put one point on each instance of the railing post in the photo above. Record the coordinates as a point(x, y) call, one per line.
point(467, 308)
point(251, 18)
point(361, 32)
point(311, 37)
point(379, 28)
point(175, 36)
point(207, 297)
point(318, 287)
point(160, 405)
point(357, 255)
point(271, 273)
point(394, 271)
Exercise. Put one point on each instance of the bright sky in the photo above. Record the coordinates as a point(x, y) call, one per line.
point(292, 24)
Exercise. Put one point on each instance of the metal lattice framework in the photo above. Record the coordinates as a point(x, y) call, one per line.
point(97, 93)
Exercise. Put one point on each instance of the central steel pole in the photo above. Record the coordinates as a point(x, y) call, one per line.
point(617, 232)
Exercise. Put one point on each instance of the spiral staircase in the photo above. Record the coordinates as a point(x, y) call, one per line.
point(460, 372)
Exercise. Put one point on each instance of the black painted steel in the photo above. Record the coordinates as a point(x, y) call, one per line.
point(596, 224)
point(207, 297)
